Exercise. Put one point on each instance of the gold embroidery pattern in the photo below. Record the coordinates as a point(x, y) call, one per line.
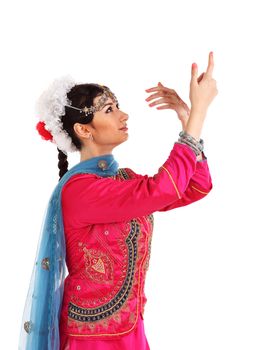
point(106, 310)
point(98, 266)
point(151, 219)
point(123, 174)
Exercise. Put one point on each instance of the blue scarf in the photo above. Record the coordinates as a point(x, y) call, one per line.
point(41, 316)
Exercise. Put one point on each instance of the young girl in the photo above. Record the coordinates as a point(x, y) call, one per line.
point(99, 218)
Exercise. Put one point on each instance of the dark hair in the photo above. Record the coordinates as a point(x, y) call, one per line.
point(80, 95)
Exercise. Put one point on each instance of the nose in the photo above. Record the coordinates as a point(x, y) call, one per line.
point(125, 116)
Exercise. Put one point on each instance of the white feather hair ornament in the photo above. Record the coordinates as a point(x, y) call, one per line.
point(50, 107)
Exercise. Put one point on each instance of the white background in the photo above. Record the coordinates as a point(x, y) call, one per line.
point(199, 284)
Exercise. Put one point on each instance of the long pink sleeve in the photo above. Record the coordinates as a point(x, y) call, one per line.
point(89, 199)
point(199, 186)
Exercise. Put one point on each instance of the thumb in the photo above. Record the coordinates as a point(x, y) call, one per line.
point(194, 72)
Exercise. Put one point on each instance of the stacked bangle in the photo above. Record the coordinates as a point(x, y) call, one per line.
point(189, 140)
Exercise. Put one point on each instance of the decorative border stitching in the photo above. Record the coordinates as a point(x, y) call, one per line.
point(172, 181)
point(195, 188)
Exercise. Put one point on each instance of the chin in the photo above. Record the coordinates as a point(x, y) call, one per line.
point(121, 141)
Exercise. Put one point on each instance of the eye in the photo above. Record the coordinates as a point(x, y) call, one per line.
point(110, 108)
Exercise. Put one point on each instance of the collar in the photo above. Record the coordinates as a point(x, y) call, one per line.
point(104, 165)
point(101, 164)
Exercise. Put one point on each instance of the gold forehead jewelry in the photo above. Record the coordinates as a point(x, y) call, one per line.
point(100, 103)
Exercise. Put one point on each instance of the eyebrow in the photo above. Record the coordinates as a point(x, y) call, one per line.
point(107, 104)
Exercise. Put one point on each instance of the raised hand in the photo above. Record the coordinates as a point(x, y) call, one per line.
point(203, 88)
point(170, 100)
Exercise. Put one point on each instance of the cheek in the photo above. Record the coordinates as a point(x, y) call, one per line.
point(107, 126)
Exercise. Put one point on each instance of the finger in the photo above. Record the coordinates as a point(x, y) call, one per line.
point(194, 73)
point(167, 106)
point(158, 94)
point(210, 66)
point(157, 102)
point(169, 97)
point(166, 88)
point(159, 88)
point(162, 90)
point(153, 89)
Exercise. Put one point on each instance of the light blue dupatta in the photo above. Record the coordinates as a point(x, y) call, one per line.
point(41, 316)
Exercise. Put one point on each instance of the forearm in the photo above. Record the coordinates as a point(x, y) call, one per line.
point(195, 123)
point(185, 127)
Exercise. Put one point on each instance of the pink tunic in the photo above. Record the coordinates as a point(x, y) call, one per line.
point(99, 214)
point(135, 340)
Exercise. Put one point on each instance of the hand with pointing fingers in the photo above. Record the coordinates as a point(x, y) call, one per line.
point(203, 88)
point(202, 91)
point(170, 100)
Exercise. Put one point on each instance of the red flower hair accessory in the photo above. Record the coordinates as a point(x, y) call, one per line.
point(44, 133)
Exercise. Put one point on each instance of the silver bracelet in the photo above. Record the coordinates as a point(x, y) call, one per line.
point(195, 149)
point(199, 144)
point(189, 140)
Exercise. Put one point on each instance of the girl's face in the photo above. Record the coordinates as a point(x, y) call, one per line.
point(107, 124)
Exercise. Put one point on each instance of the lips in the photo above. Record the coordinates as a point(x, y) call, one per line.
point(124, 128)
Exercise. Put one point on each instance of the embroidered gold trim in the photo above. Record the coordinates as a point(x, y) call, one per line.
point(137, 311)
point(144, 257)
point(172, 181)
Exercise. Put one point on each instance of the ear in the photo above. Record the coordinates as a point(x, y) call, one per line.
point(81, 130)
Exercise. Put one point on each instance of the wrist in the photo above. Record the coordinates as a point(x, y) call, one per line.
point(184, 125)
point(196, 145)
point(198, 110)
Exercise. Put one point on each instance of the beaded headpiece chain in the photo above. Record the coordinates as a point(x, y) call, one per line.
point(100, 104)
